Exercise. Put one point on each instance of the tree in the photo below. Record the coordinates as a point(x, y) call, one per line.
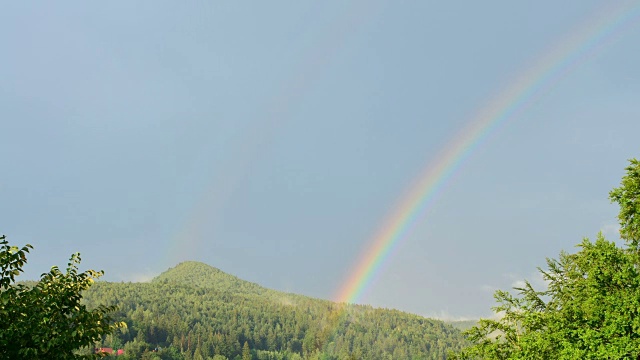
point(47, 320)
point(590, 308)
point(628, 198)
point(246, 352)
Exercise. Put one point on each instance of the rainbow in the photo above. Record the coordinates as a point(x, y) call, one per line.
point(576, 48)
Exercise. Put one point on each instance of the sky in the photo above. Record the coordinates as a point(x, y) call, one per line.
point(272, 139)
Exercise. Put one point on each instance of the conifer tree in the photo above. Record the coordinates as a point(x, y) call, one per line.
point(246, 352)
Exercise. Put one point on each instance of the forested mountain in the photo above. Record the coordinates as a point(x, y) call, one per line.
point(195, 311)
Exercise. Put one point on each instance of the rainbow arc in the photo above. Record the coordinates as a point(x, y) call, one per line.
point(561, 59)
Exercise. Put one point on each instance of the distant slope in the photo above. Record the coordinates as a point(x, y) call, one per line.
point(463, 324)
point(196, 311)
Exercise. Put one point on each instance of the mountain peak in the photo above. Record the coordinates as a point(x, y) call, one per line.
point(198, 274)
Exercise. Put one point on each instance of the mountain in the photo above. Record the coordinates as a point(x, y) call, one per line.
point(195, 311)
point(201, 275)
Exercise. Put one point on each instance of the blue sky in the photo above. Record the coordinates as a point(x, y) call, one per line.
point(272, 139)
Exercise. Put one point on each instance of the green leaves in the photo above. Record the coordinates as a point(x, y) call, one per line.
point(590, 312)
point(47, 320)
point(12, 259)
point(628, 198)
point(590, 308)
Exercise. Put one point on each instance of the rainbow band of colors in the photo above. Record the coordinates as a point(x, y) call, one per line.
point(551, 67)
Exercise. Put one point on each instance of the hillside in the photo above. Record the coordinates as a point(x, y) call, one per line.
point(195, 311)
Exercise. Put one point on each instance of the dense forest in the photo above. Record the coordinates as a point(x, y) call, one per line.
point(195, 311)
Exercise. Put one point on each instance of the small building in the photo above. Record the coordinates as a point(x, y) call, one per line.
point(104, 350)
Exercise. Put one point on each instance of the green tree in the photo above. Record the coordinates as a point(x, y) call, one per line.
point(47, 320)
point(246, 352)
point(590, 308)
point(628, 198)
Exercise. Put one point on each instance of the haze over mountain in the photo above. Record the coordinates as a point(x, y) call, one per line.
point(197, 311)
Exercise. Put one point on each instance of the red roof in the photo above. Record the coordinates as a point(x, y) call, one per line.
point(105, 350)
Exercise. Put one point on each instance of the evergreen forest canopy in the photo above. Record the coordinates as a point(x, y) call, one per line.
point(195, 311)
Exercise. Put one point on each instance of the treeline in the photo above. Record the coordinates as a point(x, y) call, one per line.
point(195, 311)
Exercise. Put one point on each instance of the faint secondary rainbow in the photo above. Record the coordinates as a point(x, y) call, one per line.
point(547, 70)
point(187, 242)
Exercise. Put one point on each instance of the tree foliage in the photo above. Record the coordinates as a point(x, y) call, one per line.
point(47, 320)
point(590, 308)
point(628, 198)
